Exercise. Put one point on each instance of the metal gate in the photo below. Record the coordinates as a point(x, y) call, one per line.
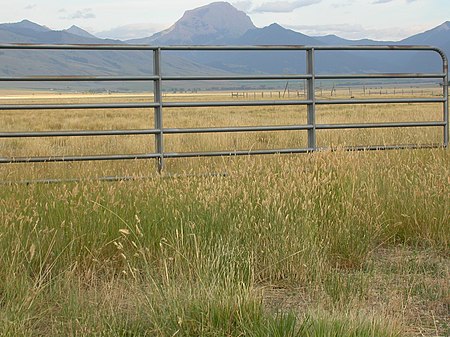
point(158, 104)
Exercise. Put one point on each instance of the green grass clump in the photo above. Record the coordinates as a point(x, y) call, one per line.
point(201, 255)
point(323, 244)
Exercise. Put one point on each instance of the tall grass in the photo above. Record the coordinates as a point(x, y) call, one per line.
point(324, 244)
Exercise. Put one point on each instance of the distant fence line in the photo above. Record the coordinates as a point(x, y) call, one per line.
point(310, 99)
point(336, 92)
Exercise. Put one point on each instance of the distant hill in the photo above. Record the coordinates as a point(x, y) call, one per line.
point(218, 23)
point(30, 32)
point(81, 63)
point(24, 27)
point(197, 27)
point(60, 62)
point(437, 36)
point(75, 30)
point(334, 40)
point(275, 34)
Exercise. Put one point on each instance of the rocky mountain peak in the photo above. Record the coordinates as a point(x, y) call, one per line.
point(211, 22)
point(75, 30)
point(444, 27)
point(25, 24)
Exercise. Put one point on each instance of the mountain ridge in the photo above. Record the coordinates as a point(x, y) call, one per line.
point(218, 23)
point(438, 35)
point(75, 30)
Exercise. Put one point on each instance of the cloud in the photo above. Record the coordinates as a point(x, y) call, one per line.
point(85, 13)
point(356, 31)
point(283, 6)
point(243, 5)
point(377, 2)
point(30, 6)
point(317, 30)
point(343, 4)
point(132, 31)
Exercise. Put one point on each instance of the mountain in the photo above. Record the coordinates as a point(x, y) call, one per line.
point(30, 32)
point(24, 26)
point(75, 30)
point(79, 63)
point(216, 23)
point(437, 36)
point(334, 40)
point(274, 34)
point(201, 26)
point(58, 62)
point(257, 62)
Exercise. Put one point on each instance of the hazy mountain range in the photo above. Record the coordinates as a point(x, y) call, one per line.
point(218, 23)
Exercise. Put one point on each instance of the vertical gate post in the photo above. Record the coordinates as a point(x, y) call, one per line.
point(311, 92)
point(159, 137)
point(445, 87)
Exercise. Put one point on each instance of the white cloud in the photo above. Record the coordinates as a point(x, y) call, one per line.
point(357, 31)
point(376, 2)
point(30, 6)
point(283, 6)
point(85, 13)
point(131, 31)
point(243, 5)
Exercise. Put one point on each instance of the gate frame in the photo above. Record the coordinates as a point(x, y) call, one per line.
point(158, 103)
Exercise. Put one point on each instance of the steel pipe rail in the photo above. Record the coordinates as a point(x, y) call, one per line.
point(378, 125)
point(238, 129)
point(158, 104)
point(77, 106)
point(379, 76)
point(59, 159)
point(87, 133)
point(82, 133)
point(78, 79)
point(235, 153)
point(295, 151)
point(380, 101)
point(213, 104)
point(210, 154)
point(236, 77)
point(233, 103)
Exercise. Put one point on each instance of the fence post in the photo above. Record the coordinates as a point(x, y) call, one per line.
point(445, 88)
point(159, 137)
point(311, 88)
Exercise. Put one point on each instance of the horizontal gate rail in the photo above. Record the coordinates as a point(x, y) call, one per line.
point(37, 134)
point(239, 129)
point(378, 76)
point(77, 106)
point(378, 125)
point(158, 104)
point(382, 101)
point(78, 79)
point(56, 159)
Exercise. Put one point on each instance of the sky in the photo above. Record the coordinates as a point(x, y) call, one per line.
point(352, 19)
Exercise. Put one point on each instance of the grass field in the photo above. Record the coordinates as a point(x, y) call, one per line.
point(323, 244)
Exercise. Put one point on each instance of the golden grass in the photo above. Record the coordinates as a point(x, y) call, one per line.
point(123, 119)
point(324, 244)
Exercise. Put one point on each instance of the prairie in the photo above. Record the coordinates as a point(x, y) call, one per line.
point(322, 244)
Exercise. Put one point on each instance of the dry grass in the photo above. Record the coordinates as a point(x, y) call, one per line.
point(325, 244)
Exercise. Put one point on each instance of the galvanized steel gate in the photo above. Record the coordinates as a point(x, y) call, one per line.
point(158, 105)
